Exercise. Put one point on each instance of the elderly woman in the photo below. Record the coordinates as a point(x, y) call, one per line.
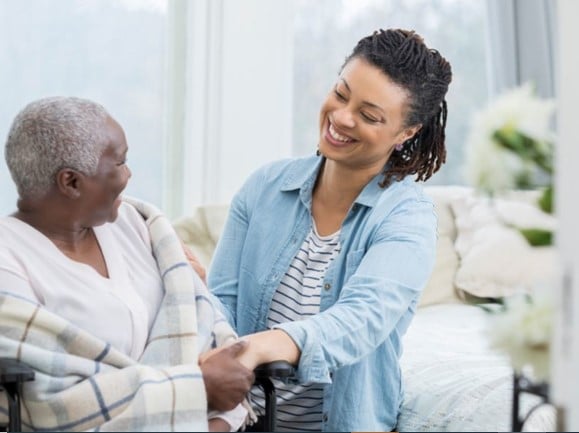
point(95, 291)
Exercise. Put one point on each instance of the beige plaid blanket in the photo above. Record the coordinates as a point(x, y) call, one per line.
point(82, 383)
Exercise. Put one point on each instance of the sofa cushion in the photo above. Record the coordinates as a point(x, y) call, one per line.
point(440, 288)
point(201, 230)
point(495, 258)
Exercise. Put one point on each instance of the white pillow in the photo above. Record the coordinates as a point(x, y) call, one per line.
point(201, 231)
point(495, 259)
point(440, 288)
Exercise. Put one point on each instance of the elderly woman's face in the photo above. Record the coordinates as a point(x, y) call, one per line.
point(103, 189)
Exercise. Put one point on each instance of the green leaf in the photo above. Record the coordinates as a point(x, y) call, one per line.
point(546, 200)
point(527, 148)
point(538, 237)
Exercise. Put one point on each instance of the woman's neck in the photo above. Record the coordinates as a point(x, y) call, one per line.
point(56, 221)
point(338, 186)
point(49, 220)
point(335, 191)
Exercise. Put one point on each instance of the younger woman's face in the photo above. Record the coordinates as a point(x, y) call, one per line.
point(362, 118)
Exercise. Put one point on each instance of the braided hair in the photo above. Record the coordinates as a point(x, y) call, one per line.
point(404, 57)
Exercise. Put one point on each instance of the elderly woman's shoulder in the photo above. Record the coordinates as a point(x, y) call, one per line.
point(129, 214)
point(130, 224)
point(10, 227)
point(5, 230)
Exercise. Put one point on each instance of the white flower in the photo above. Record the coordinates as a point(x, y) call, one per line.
point(524, 332)
point(524, 111)
point(490, 166)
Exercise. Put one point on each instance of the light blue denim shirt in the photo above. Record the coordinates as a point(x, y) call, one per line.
point(369, 293)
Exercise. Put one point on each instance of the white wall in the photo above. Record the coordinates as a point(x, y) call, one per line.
point(566, 366)
point(232, 107)
point(257, 91)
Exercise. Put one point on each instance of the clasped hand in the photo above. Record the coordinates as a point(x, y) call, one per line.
point(227, 381)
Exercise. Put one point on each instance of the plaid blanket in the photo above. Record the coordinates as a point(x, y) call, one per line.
point(82, 383)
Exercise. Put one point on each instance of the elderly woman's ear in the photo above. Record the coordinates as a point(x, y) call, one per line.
point(68, 182)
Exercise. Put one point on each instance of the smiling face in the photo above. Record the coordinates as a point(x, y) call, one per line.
point(362, 118)
point(101, 194)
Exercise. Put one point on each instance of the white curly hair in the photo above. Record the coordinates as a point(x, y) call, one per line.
point(54, 133)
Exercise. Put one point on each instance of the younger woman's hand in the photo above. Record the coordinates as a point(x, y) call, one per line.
point(194, 262)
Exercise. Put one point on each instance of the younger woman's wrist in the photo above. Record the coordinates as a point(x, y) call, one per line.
point(275, 345)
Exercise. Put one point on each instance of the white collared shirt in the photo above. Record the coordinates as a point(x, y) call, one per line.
point(119, 310)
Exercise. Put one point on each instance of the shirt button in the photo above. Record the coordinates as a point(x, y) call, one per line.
point(327, 286)
point(325, 417)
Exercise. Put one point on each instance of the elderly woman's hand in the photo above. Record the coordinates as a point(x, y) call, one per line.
point(218, 424)
point(194, 262)
point(227, 381)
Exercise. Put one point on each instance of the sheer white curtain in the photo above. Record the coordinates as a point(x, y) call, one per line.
point(522, 44)
point(234, 105)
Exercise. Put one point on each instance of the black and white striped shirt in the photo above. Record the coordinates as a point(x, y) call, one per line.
point(299, 407)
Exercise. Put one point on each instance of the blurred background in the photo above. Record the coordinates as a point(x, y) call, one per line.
point(209, 90)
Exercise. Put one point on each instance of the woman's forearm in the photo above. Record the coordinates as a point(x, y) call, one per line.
point(269, 346)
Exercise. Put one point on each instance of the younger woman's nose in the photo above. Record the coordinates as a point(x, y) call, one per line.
point(343, 117)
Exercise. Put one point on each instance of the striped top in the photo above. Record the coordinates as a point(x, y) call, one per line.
point(299, 407)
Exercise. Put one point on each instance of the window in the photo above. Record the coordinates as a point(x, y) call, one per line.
point(327, 30)
point(110, 51)
point(229, 88)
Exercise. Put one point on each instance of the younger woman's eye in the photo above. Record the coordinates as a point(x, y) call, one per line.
point(339, 95)
point(370, 118)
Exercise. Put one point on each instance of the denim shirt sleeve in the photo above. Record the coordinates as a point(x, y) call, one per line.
point(223, 278)
point(390, 275)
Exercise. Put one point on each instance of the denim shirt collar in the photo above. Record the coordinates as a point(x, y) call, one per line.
point(303, 178)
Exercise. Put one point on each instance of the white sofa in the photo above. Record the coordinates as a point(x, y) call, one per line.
point(454, 380)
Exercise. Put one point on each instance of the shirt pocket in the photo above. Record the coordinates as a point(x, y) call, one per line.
point(353, 260)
